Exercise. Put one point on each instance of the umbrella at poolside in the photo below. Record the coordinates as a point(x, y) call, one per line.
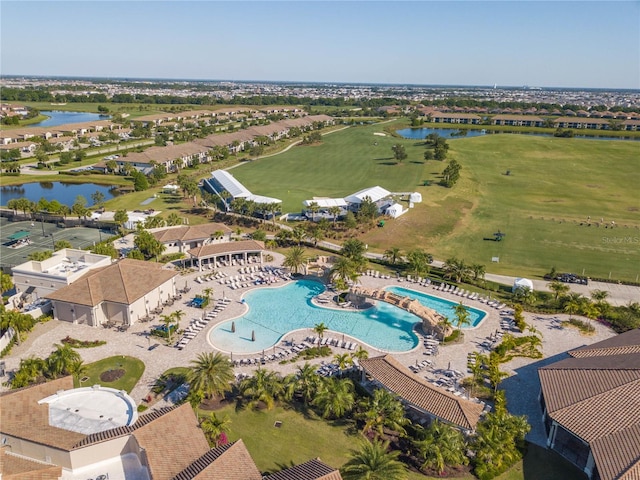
point(253, 335)
point(233, 327)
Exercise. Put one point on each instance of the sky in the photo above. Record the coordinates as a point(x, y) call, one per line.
point(592, 44)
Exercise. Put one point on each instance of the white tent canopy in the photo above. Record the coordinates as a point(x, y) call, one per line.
point(395, 210)
point(522, 283)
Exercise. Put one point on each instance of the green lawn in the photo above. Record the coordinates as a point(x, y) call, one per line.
point(303, 437)
point(133, 368)
point(554, 184)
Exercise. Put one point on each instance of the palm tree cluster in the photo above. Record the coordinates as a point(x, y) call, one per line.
point(171, 323)
point(64, 360)
point(348, 268)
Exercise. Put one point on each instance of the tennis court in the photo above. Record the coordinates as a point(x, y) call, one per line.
point(41, 236)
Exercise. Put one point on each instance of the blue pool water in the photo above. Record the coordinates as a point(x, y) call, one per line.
point(273, 312)
point(442, 306)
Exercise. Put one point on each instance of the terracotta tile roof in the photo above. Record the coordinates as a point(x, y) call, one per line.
point(227, 462)
point(189, 233)
point(595, 394)
point(22, 417)
point(230, 247)
point(617, 453)
point(311, 470)
point(420, 393)
point(123, 282)
point(15, 467)
point(172, 442)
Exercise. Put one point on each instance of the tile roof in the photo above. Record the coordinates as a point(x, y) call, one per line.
point(123, 282)
point(172, 441)
point(227, 462)
point(311, 470)
point(14, 467)
point(420, 393)
point(188, 233)
point(22, 417)
point(230, 247)
point(595, 394)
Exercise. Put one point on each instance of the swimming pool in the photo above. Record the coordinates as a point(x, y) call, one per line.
point(441, 305)
point(273, 312)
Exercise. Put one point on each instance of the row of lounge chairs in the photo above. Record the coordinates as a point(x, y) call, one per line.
point(199, 324)
point(210, 277)
point(419, 280)
point(332, 342)
point(281, 355)
point(376, 274)
point(420, 366)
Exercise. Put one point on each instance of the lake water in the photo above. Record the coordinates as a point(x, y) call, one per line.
point(57, 118)
point(450, 133)
point(65, 193)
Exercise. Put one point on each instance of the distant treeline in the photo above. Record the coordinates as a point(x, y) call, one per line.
point(43, 94)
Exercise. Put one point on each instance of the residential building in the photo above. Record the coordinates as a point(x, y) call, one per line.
point(183, 238)
point(518, 120)
point(461, 118)
point(591, 407)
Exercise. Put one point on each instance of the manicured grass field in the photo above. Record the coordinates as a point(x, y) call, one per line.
point(554, 184)
point(133, 368)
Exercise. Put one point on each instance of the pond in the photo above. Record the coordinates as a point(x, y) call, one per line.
point(453, 133)
point(57, 118)
point(65, 193)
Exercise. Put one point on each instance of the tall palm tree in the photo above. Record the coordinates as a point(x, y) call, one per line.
point(16, 320)
point(313, 208)
point(307, 382)
point(382, 410)
point(334, 211)
point(478, 270)
point(558, 288)
point(177, 315)
point(374, 461)
point(211, 373)
point(335, 398)
point(167, 320)
point(360, 353)
point(476, 368)
point(455, 269)
point(442, 446)
point(393, 254)
point(572, 307)
point(264, 386)
point(343, 271)
point(343, 360)
point(600, 299)
point(295, 258)
point(463, 317)
point(30, 370)
point(299, 233)
point(320, 328)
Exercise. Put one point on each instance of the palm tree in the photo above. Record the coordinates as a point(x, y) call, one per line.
point(374, 461)
point(30, 370)
point(264, 386)
point(167, 320)
point(382, 410)
point(572, 306)
point(334, 211)
point(16, 320)
point(215, 429)
point(476, 368)
point(478, 270)
point(60, 360)
point(178, 314)
point(558, 288)
point(295, 258)
point(600, 298)
point(211, 374)
point(494, 374)
point(418, 261)
point(456, 269)
point(442, 446)
point(307, 382)
point(320, 328)
point(343, 271)
point(299, 233)
point(463, 317)
point(343, 360)
point(335, 398)
point(77, 368)
point(207, 292)
point(314, 208)
point(444, 324)
point(393, 254)
point(360, 353)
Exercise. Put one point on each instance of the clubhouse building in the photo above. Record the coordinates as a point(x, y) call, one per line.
point(591, 407)
point(52, 431)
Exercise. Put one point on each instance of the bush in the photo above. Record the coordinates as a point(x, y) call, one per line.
point(583, 326)
point(75, 343)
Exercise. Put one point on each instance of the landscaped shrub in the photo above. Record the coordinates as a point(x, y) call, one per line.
point(75, 343)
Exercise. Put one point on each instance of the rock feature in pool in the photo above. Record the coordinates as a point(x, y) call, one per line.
point(432, 321)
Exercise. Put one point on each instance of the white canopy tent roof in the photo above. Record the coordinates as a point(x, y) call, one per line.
point(326, 202)
point(374, 193)
point(522, 283)
point(394, 210)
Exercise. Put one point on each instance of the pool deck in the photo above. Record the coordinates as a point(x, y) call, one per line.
point(135, 342)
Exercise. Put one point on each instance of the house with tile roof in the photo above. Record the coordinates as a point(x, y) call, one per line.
point(421, 399)
point(311, 470)
point(215, 255)
point(591, 407)
point(121, 294)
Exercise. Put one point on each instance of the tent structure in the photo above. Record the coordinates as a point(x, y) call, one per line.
point(522, 283)
point(415, 197)
point(395, 210)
